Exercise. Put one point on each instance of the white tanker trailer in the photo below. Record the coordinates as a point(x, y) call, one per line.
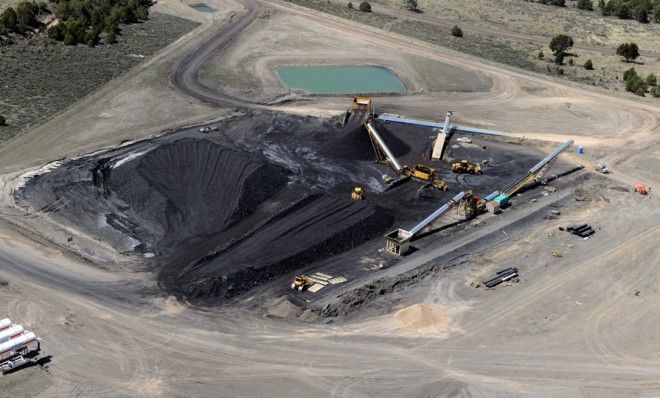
point(10, 333)
point(17, 346)
point(5, 323)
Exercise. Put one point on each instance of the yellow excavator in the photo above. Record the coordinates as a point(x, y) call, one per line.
point(466, 167)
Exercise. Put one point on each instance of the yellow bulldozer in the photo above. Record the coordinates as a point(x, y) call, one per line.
point(301, 282)
point(357, 194)
point(466, 167)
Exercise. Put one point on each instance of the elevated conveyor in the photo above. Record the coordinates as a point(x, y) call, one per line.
point(426, 123)
point(398, 241)
point(533, 174)
point(383, 153)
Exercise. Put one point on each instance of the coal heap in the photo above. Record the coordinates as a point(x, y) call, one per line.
point(317, 227)
point(353, 143)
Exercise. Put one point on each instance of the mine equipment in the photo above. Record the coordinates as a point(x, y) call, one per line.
point(601, 168)
point(472, 204)
point(466, 167)
point(534, 174)
point(444, 130)
point(301, 282)
point(641, 188)
point(384, 155)
point(17, 346)
point(398, 241)
point(440, 184)
point(357, 194)
point(361, 104)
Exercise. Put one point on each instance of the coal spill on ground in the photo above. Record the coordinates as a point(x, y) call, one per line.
point(217, 213)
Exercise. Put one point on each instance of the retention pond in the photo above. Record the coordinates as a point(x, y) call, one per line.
point(341, 79)
point(201, 7)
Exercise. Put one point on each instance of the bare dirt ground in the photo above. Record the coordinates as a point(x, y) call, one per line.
point(583, 324)
point(514, 32)
point(246, 69)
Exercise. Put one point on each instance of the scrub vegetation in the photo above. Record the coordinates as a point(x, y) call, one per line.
point(46, 77)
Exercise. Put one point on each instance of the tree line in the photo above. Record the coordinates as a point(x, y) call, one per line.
point(23, 18)
point(77, 21)
point(641, 10)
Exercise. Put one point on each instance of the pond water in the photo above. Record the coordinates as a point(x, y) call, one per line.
point(203, 8)
point(338, 79)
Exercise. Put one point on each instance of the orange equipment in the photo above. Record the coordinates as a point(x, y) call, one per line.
point(641, 188)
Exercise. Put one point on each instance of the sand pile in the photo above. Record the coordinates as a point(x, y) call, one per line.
point(424, 318)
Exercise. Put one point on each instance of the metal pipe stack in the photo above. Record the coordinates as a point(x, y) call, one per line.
point(502, 276)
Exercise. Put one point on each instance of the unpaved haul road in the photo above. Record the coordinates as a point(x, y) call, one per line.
point(560, 332)
point(108, 339)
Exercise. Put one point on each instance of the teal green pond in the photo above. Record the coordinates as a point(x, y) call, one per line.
point(341, 79)
point(203, 8)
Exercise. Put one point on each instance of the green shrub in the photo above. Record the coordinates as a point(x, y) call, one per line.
point(365, 7)
point(588, 65)
point(456, 31)
point(655, 91)
point(585, 5)
point(561, 43)
point(629, 51)
point(629, 74)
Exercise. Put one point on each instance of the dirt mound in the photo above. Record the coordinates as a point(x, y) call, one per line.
point(353, 143)
point(315, 228)
point(194, 187)
point(423, 318)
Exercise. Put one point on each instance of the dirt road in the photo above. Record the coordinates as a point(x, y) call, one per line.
point(584, 324)
point(108, 339)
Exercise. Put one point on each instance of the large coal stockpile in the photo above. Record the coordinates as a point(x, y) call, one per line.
point(315, 228)
point(353, 143)
point(195, 187)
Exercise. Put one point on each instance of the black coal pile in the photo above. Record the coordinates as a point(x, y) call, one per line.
point(352, 142)
point(152, 197)
point(195, 187)
point(315, 228)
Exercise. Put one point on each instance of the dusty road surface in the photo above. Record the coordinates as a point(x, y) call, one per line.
point(581, 323)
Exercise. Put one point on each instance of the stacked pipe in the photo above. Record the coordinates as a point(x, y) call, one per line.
point(502, 276)
point(582, 230)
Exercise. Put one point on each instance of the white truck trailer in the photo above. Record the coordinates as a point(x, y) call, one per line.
point(17, 346)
